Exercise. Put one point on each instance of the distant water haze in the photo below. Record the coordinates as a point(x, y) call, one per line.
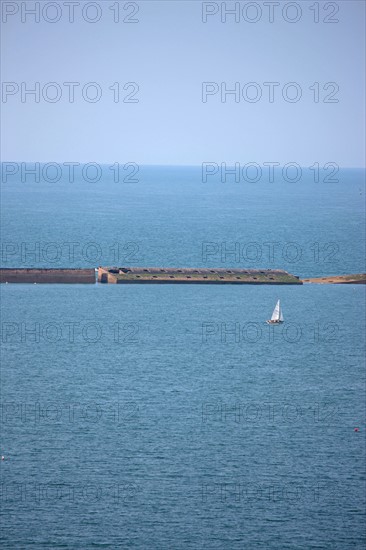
point(185, 217)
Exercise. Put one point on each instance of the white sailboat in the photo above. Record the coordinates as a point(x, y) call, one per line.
point(277, 316)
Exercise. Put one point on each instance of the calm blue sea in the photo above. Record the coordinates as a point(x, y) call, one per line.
point(172, 417)
point(170, 217)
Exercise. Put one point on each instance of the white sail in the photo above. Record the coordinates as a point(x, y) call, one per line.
point(277, 313)
point(281, 315)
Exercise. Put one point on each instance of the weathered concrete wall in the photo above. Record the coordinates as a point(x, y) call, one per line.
point(157, 275)
point(104, 276)
point(355, 279)
point(47, 276)
point(198, 282)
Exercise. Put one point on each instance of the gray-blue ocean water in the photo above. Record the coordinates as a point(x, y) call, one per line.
point(172, 217)
point(171, 416)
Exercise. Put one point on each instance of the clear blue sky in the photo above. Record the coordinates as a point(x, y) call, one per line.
point(169, 53)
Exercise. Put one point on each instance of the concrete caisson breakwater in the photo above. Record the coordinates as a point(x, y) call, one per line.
point(356, 279)
point(47, 276)
point(168, 275)
point(172, 275)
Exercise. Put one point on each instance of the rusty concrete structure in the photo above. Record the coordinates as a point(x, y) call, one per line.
point(47, 276)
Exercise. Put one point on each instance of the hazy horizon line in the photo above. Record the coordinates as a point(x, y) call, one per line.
point(104, 163)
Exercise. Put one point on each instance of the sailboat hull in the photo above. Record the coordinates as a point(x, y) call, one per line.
point(270, 322)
